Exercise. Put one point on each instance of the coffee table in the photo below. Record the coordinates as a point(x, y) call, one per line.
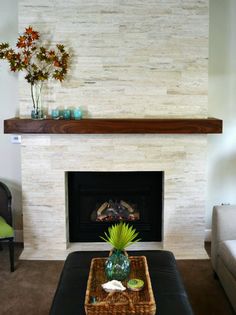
point(168, 289)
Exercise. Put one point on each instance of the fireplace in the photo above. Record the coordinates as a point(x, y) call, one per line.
point(97, 200)
point(59, 158)
point(114, 84)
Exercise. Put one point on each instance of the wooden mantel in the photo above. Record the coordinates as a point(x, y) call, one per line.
point(114, 126)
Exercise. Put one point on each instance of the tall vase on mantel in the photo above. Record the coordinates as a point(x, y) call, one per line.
point(40, 63)
point(36, 94)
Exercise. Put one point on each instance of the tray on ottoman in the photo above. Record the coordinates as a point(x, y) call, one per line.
point(122, 303)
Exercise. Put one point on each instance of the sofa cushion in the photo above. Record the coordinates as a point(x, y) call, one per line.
point(227, 252)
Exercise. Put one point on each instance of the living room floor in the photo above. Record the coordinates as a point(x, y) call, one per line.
point(30, 289)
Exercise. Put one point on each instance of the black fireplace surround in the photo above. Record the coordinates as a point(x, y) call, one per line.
point(96, 200)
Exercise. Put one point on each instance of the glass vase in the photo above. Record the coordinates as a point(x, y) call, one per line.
point(36, 94)
point(117, 266)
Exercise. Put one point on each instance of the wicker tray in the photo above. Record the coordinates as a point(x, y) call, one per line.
point(119, 303)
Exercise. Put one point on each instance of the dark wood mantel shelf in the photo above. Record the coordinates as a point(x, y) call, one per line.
point(113, 126)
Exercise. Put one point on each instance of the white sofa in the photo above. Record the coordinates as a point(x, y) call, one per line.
point(223, 248)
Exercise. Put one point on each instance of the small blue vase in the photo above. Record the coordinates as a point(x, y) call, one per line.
point(117, 266)
point(77, 114)
point(55, 113)
point(67, 114)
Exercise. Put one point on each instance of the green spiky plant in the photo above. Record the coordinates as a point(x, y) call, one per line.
point(121, 235)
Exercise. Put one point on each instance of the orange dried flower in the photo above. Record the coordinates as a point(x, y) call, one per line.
point(39, 62)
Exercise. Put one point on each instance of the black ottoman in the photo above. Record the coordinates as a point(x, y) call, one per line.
point(168, 289)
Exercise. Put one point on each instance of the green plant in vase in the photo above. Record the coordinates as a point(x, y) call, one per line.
point(120, 236)
point(40, 63)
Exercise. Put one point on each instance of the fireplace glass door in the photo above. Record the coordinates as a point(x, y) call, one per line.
point(97, 200)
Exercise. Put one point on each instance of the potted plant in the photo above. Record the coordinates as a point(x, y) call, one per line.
point(120, 236)
point(39, 62)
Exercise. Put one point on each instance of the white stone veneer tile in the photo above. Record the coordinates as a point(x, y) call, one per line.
point(130, 58)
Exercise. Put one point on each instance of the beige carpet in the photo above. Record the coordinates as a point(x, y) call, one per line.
point(30, 289)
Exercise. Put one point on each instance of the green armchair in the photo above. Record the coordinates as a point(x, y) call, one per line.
point(6, 229)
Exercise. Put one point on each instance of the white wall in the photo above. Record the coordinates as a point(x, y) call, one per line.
point(221, 175)
point(10, 153)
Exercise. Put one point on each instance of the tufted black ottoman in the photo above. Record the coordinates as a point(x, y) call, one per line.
point(169, 292)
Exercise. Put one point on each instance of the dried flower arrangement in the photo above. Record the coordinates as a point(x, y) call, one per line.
point(40, 63)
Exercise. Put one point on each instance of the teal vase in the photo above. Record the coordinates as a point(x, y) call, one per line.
point(117, 266)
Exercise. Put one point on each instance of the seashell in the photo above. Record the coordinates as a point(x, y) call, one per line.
point(113, 285)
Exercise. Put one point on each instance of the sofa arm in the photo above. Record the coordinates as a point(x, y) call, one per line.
point(223, 228)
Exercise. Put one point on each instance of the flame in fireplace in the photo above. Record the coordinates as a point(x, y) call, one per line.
point(117, 210)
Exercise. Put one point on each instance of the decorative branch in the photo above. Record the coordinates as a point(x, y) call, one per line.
point(38, 62)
